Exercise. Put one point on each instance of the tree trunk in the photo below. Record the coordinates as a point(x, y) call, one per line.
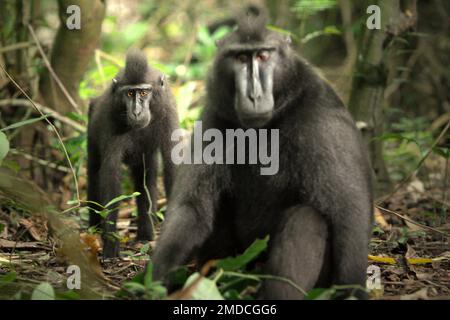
point(370, 80)
point(71, 53)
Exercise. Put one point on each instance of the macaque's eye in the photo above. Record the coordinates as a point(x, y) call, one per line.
point(130, 93)
point(242, 58)
point(263, 55)
point(143, 93)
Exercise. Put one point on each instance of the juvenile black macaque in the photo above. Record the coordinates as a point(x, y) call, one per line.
point(317, 209)
point(128, 124)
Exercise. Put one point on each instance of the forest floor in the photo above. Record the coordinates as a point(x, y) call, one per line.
point(412, 252)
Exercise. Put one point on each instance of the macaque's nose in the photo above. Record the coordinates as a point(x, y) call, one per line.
point(254, 89)
point(137, 110)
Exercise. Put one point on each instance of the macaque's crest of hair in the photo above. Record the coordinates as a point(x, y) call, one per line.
point(252, 23)
point(136, 67)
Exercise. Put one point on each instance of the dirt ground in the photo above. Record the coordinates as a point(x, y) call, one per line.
point(411, 250)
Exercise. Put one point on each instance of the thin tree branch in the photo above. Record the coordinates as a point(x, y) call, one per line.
point(74, 175)
point(15, 46)
point(411, 220)
point(52, 72)
point(47, 110)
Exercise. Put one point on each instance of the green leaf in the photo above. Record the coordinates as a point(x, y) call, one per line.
point(159, 214)
point(330, 30)
point(443, 152)
point(25, 122)
point(204, 37)
point(221, 32)
point(282, 31)
point(144, 250)
point(134, 32)
point(135, 288)
point(310, 7)
point(148, 279)
point(157, 291)
point(7, 278)
point(179, 276)
point(4, 146)
point(320, 294)
point(43, 291)
point(205, 289)
point(120, 198)
point(235, 263)
point(68, 295)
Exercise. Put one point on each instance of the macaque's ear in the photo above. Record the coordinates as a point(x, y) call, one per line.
point(114, 84)
point(288, 39)
point(162, 81)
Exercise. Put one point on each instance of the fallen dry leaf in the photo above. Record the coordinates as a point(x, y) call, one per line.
point(379, 219)
point(422, 294)
point(36, 226)
point(19, 245)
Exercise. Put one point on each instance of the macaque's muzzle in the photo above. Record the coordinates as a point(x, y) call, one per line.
point(254, 102)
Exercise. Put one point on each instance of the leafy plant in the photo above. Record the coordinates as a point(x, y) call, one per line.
point(44, 291)
point(239, 262)
point(204, 51)
point(205, 289)
point(4, 146)
point(307, 8)
point(142, 286)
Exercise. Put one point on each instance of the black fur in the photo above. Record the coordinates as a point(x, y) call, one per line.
point(317, 209)
point(114, 139)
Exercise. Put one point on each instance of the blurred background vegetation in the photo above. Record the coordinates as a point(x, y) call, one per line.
point(394, 80)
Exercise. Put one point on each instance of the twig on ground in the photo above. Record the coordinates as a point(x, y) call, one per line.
point(412, 221)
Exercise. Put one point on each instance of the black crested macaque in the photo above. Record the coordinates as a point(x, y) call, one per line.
point(128, 124)
point(317, 209)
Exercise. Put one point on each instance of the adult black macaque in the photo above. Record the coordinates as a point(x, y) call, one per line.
point(317, 208)
point(129, 123)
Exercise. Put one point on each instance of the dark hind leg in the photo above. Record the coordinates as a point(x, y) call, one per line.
point(147, 188)
point(298, 251)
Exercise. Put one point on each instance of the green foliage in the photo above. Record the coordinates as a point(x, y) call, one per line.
point(218, 286)
point(8, 278)
point(233, 278)
point(205, 289)
point(121, 198)
point(43, 291)
point(4, 146)
point(115, 38)
point(307, 8)
point(4, 142)
point(76, 147)
point(142, 286)
point(67, 295)
point(204, 51)
point(406, 141)
point(25, 122)
point(97, 79)
point(335, 292)
point(107, 209)
point(327, 31)
point(239, 262)
point(443, 152)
